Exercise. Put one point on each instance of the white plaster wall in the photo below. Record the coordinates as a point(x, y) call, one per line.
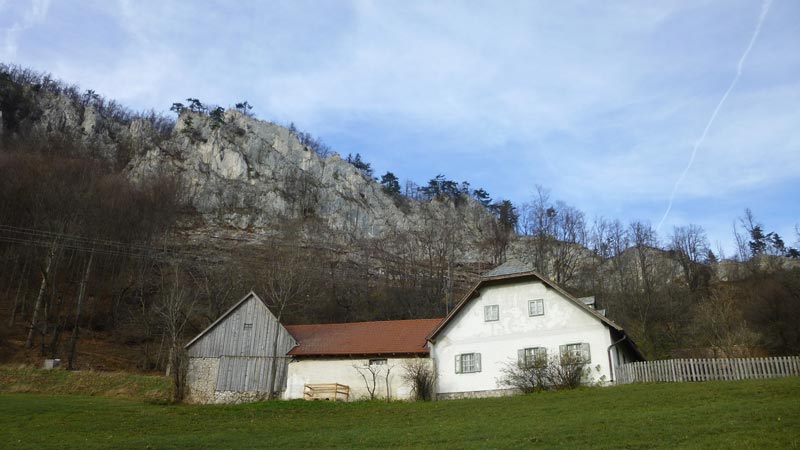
point(342, 371)
point(563, 322)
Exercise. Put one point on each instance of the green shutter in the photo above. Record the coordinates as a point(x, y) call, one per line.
point(562, 350)
point(586, 355)
point(458, 363)
point(521, 357)
point(477, 362)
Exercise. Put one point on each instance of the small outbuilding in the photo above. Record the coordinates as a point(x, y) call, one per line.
point(368, 358)
point(240, 357)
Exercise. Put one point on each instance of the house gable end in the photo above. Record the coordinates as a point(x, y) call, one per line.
point(516, 277)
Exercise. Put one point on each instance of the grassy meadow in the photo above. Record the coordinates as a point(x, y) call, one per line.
point(740, 414)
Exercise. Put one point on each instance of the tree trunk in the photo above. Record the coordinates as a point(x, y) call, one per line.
point(57, 326)
point(73, 342)
point(170, 358)
point(274, 366)
point(37, 306)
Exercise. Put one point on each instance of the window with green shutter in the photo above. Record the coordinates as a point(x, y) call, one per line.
point(468, 363)
point(578, 351)
point(491, 313)
point(530, 356)
point(536, 307)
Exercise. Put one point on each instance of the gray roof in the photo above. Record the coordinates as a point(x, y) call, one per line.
point(510, 267)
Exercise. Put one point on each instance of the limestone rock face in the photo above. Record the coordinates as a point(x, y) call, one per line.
point(248, 174)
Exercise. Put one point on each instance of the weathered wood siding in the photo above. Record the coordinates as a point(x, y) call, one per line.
point(231, 338)
point(250, 373)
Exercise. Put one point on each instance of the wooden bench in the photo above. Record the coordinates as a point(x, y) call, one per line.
point(333, 391)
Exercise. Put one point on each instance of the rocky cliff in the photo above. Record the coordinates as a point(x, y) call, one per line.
point(241, 173)
point(248, 174)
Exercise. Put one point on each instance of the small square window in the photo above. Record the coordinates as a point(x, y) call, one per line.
point(248, 326)
point(491, 313)
point(536, 307)
point(377, 362)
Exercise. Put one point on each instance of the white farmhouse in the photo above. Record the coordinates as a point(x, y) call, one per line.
point(514, 313)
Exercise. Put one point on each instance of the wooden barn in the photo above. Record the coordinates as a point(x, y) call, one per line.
point(237, 358)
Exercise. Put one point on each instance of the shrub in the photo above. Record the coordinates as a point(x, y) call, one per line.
point(555, 372)
point(420, 375)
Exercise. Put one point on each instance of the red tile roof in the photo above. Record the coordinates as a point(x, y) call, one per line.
point(362, 338)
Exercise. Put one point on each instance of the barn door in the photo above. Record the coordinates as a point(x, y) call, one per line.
point(244, 373)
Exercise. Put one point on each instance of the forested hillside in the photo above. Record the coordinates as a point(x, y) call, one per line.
point(122, 234)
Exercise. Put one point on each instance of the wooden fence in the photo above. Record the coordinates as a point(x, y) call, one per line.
point(679, 370)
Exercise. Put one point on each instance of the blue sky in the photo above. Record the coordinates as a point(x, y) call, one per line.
point(601, 103)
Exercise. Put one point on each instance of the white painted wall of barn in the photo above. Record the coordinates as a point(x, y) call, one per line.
point(343, 371)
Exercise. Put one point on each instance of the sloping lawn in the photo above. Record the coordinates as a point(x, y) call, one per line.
point(741, 414)
point(26, 379)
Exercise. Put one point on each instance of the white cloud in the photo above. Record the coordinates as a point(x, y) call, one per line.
point(33, 13)
point(600, 101)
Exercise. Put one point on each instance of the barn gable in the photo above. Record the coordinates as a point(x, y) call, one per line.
point(232, 360)
point(246, 329)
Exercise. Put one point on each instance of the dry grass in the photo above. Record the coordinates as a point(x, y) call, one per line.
point(26, 379)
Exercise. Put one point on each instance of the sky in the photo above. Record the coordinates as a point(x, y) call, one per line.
point(602, 103)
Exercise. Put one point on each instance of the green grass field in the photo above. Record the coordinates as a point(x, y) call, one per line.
point(744, 414)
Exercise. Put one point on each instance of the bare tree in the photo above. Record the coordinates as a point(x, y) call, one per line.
point(42, 288)
point(691, 247)
point(175, 307)
point(556, 237)
point(388, 381)
point(370, 373)
point(73, 341)
point(721, 326)
point(285, 283)
point(570, 235)
point(538, 226)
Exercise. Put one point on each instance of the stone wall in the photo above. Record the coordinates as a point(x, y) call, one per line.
point(234, 397)
point(201, 380)
point(477, 394)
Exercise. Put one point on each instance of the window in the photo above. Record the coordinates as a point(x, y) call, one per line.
point(468, 363)
point(580, 352)
point(533, 355)
point(536, 307)
point(377, 362)
point(248, 326)
point(491, 313)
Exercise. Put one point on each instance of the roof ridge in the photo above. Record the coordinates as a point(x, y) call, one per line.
point(361, 322)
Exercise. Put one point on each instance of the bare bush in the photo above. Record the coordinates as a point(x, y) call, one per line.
point(528, 377)
point(419, 374)
point(543, 373)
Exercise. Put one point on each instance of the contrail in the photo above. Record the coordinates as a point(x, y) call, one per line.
point(764, 10)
